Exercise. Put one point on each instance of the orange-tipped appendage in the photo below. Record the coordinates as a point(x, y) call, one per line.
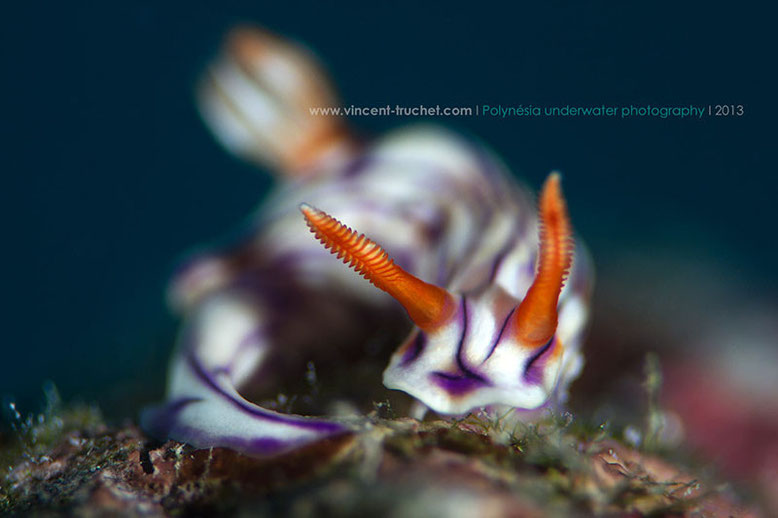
point(535, 320)
point(428, 305)
point(292, 80)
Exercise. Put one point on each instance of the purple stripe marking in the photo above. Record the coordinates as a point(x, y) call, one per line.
point(415, 350)
point(518, 236)
point(463, 367)
point(254, 446)
point(436, 228)
point(315, 425)
point(252, 340)
point(456, 385)
point(531, 267)
point(358, 165)
point(466, 380)
point(158, 420)
point(260, 446)
point(502, 254)
point(533, 371)
point(499, 336)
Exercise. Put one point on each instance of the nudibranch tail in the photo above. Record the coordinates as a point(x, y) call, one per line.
point(535, 320)
point(428, 305)
point(206, 410)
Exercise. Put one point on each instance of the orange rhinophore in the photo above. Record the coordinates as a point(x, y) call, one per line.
point(428, 306)
point(535, 320)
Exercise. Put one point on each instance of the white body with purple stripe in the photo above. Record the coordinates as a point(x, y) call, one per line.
point(447, 212)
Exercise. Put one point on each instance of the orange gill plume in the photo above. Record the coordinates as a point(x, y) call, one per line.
point(258, 98)
point(428, 305)
point(535, 320)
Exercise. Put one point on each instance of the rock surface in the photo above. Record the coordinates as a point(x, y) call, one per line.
point(394, 467)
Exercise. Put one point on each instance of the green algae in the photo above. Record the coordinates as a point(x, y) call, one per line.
point(33, 437)
point(560, 465)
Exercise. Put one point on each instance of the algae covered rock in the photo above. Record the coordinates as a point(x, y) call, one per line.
point(393, 467)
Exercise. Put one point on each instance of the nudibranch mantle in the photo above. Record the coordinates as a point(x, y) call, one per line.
point(496, 290)
point(481, 365)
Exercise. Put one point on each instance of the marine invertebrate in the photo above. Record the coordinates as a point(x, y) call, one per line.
point(481, 277)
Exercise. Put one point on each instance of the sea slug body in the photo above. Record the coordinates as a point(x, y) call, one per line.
point(493, 288)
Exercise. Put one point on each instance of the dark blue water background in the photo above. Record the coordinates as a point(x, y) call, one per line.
point(108, 175)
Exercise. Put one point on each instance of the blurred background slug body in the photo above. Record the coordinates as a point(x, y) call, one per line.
point(492, 319)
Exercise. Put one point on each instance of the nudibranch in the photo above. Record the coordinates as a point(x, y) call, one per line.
point(491, 291)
